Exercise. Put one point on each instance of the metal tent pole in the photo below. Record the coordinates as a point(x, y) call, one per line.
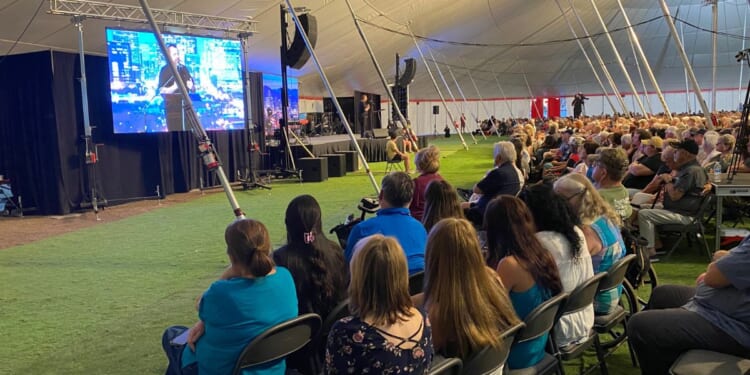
point(448, 88)
point(687, 81)
point(637, 45)
point(460, 91)
point(619, 59)
point(599, 59)
point(586, 55)
point(327, 84)
point(686, 62)
point(744, 30)
point(715, 14)
point(362, 35)
point(434, 83)
point(505, 98)
point(484, 105)
point(206, 148)
point(640, 75)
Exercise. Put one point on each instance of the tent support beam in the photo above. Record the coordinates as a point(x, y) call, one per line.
point(448, 88)
point(484, 105)
point(327, 84)
point(686, 63)
point(637, 44)
point(586, 55)
point(466, 102)
point(362, 35)
point(619, 59)
point(434, 83)
point(714, 42)
point(599, 59)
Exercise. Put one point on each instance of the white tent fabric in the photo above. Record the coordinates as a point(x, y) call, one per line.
point(507, 37)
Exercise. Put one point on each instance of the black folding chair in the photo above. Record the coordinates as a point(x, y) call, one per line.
point(696, 227)
point(278, 342)
point(416, 283)
point(445, 366)
point(487, 360)
point(539, 322)
point(605, 324)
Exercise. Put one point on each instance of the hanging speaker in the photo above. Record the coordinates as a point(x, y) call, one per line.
point(435, 110)
point(297, 55)
point(409, 71)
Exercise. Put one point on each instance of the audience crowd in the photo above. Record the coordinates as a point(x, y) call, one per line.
point(546, 218)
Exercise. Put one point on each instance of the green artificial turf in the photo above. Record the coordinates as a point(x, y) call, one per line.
point(97, 300)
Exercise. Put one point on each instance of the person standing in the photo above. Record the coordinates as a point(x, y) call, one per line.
point(170, 92)
point(578, 104)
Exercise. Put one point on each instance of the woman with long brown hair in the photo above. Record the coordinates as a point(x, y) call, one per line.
point(525, 267)
point(441, 201)
point(386, 333)
point(466, 302)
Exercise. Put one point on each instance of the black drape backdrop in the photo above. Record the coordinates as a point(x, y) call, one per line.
point(41, 140)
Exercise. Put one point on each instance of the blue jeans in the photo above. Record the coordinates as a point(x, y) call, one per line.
point(174, 352)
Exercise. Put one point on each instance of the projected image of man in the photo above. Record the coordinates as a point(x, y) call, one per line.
point(173, 100)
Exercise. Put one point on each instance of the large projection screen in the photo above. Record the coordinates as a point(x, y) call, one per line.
point(144, 96)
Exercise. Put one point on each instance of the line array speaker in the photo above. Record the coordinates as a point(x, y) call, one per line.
point(297, 55)
point(409, 71)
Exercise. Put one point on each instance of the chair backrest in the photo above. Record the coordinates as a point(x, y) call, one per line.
point(489, 359)
point(278, 341)
point(541, 319)
point(708, 199)
point(583, 295)
point(416, 283)
point(340, 311)
point(616, 274)
point(445, 366)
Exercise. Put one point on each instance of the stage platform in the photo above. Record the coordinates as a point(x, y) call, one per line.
point(373, 149)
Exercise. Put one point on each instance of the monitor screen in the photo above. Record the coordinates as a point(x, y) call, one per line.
point(145, 97)
point(272, 100)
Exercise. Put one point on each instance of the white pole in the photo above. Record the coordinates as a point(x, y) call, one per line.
point(686, 62)
point(448, 88)
point(715, 11)
point(687, 82)
point(619, 59)
point(476, 118)
point(637, 45)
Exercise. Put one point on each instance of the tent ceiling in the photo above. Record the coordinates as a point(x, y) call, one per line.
point(550, 68)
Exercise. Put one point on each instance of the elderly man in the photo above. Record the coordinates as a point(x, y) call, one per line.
point(683, 193)
point(394, 220)
point(715, 315)
point(503, 179)
point(641, 172)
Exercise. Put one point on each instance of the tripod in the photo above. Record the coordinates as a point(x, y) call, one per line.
point(742, 136)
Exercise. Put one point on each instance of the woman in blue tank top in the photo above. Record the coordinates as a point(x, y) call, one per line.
point(526, 268)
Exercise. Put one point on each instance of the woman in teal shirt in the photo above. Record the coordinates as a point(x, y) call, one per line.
point(251, 296)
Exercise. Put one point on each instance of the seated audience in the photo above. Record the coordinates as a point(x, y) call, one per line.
point(441, 201)
point(647, 197)
point(503, 179)
point(714, 315)
point(725, 145)
point(427, 161)
point(683, 194)
point(315, 262)
point(456, 277)
point(609, 169)
point(601, 227)
point(393, 154)
point(386, 334)
point(710, 141)
point(393, 219)
point(229, 312)
point(559, 233)
point(641, 172)
point(526, 268)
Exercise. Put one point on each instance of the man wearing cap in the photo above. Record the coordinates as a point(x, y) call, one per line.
point(642, 171)
point(683, 193)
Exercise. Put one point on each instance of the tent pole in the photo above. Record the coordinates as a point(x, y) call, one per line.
point(447, 88)
point(744, 30)
point(687, 82)
point(640, 75)
point(598, 56)
point(434, 83)
point(635, 42)
point(715, 11)
point(484, 105)
point(327, 84)
point(505, 98)
point(619, 59)
point(686, 62)
point(586, 55)
point(208, 151)
point(362, 35)
point(460, 91)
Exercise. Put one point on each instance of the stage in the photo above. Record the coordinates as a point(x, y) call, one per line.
point(373, 149)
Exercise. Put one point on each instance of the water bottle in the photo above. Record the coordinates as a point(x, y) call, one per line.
point(717, 172)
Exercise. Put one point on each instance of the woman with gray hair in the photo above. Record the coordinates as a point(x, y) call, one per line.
point(713, 156)
point(503, 179)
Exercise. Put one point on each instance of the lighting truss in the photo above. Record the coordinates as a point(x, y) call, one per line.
point(130, 13)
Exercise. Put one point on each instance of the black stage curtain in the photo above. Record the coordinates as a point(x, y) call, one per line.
point(42, 145)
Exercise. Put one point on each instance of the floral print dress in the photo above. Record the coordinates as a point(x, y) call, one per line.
point(355, 347)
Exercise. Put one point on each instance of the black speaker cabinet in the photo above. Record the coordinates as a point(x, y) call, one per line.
point(297, 55)
point(336, 165)
point(379, 133)
point(352, 160)
point(409, 71)
point(435, 110)
point(313, 169)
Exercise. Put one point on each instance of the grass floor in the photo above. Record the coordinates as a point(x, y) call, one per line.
point(96, 301)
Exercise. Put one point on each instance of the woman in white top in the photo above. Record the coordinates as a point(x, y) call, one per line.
point(558, 232)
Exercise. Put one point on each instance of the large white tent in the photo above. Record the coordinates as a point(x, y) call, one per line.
point(527, 45)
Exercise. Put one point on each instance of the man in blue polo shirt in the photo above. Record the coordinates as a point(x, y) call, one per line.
point(394, 220)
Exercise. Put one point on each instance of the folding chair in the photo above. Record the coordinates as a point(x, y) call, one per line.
point(416, 283)
point(445, 366)
point(488, 360)
point(696, 226)
point(604, 324)
point(699, 362)
point(278, 342)
point(393, 165)
point(538, 322)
